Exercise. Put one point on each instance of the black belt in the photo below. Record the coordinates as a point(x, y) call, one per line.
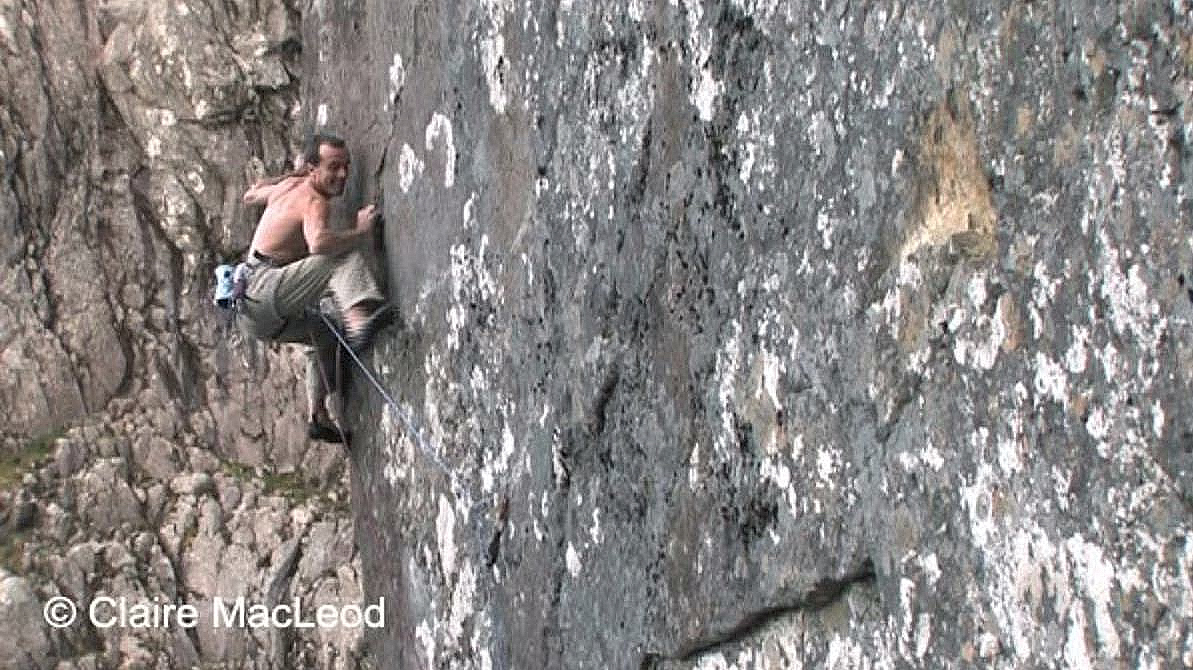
point(268, 260)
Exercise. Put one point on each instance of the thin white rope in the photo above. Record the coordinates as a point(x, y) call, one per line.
point(403, 416)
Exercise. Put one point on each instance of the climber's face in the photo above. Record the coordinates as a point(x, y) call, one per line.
point(331, 173)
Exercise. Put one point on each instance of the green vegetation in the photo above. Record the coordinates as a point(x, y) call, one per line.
point(14, 466)
point(289, 485)
point(12, 546)
point(241, 472)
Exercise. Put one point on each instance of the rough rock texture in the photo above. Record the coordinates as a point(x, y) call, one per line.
point(764, 335)
point(139, 458)
point(738, 334)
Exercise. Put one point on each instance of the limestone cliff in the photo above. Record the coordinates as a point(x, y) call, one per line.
point(736, 334)
point(142, 459)
point(763, 334)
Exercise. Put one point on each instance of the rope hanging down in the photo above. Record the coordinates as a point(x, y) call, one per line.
point(403, 416)
point(474, 520)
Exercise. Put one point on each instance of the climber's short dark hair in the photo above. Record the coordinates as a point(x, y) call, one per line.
point(310, 152)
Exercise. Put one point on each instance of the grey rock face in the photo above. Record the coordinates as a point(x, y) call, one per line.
point(128, 131)
point(129, 138)
point(25, 641)
point(216, 532)
point(750, 335)
point(763, 335)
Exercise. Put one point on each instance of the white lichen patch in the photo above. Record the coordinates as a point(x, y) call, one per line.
point(923, 634)
point(494, 59)
point(471, 285)
point(930, 567)
point(425, 636)
point(694, 466)
point(1051, 382)
point(975, 500)
point(776, 471)
point(704, 88)
point(164, 118)
point(1095, 576)
point(845, 653)
point(1098, 424)
point(195, 181)
point(909, 280)
point(397, 78)
point(1132, 310)
point(495, 470)
point(980, 353)
point(728, 367)
point(463, 602)
point(1077, 356)
point(558, 469)
point(445, 526)
point(595, 533)
point(928, 456)
point(828, 466)
point(773, 369)
point(441, 127)
point(7, 33)
point(409, 167)
point(574, 565)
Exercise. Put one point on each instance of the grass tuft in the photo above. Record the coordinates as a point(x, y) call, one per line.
point(14, 466)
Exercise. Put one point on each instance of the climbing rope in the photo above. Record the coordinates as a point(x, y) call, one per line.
point(403, 416)
point(473, 521)
point(456, 485)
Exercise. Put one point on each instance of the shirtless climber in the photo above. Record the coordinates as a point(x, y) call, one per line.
point(296, 257)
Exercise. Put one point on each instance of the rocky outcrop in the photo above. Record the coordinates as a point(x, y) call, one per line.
point(143, 458)
point(737, 334)
point(766, 335)
point(119, 522)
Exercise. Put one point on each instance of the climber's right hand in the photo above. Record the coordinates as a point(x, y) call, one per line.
point(366, 218)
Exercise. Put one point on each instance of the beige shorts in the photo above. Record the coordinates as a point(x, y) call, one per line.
point(277, 298)
point(281, 304)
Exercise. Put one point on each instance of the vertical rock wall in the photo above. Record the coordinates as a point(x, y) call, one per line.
point(760, 334)
point(152, 462)
point(130, 130)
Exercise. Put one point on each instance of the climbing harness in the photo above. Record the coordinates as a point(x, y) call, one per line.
point(230, 284)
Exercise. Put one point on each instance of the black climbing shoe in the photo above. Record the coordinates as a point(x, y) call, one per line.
point(326, 433)
point(363, 337)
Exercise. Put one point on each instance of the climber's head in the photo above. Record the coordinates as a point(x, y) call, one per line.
point(327, 159)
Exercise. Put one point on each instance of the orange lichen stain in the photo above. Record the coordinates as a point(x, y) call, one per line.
point(1008, 311)
point(951, 200)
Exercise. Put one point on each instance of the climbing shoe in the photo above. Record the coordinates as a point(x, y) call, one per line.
point(325, 433)
point(362, 337)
